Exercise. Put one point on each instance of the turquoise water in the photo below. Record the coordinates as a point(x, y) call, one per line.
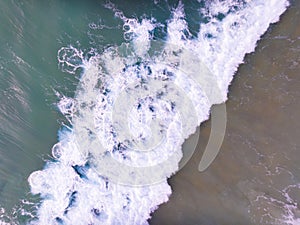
point(31, 34)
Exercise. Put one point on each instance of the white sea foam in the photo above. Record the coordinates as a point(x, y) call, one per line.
point(134, 107)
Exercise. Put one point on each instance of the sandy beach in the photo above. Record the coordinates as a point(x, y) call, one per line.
point(259, 160)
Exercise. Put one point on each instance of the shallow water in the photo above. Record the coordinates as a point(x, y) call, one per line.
point(261, 150)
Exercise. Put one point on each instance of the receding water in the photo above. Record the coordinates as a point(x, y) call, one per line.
point(258, 165)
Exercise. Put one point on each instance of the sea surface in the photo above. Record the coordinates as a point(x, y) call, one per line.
point(97, 98)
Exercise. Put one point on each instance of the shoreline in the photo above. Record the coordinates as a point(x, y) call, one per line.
point(225, 192)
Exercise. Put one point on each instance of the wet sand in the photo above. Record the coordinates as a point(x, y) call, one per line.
point(252, 180)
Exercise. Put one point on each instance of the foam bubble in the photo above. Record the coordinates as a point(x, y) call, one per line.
point(134, 107)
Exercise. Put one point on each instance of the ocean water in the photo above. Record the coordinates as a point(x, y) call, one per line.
point(97, 99)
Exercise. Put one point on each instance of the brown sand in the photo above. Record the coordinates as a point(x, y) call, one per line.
point(260, 155)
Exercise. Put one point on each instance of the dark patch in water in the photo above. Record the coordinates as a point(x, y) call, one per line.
point(96, 212)
point(149, 70)
point(81, 170)
point(139, 106)
point(151, 108)
point(173, 106)
point(159, 94)
point(59, 220)
point(106, 91)
point(72, 201)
